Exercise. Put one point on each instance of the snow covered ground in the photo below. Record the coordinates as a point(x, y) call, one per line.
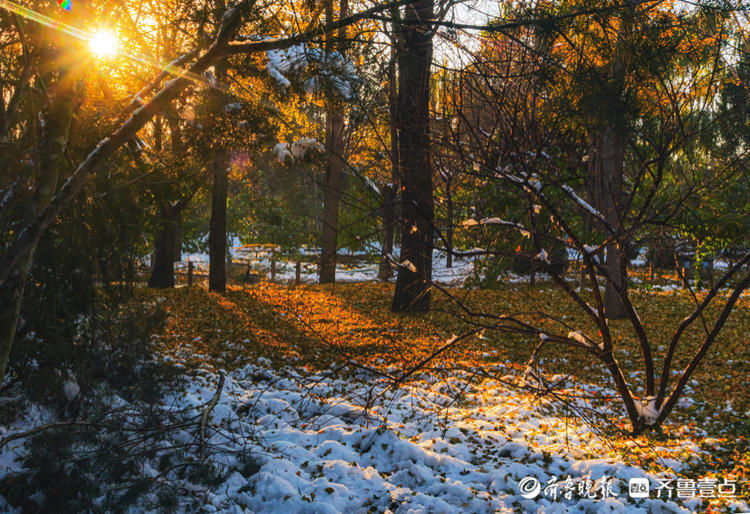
point(363, 272)
point(438, 444)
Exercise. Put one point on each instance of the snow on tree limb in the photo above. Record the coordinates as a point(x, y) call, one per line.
point(543, 256)
point(493, 221)
point(647, 410)
point(585, 205)
point(331, 68)
point(578, 336)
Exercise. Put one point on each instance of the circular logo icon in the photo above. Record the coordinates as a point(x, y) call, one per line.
point(529, 487)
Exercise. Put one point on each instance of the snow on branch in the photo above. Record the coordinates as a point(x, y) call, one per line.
point(497, 221)
point(529, 182)
point(473, 252)
point(297, 150)
point(647, 410)
point(578, 336)
point(371, 184)
point(331, 69)
point(406, 264)
point(282, 153)
point(584, 204)
point(592, 251)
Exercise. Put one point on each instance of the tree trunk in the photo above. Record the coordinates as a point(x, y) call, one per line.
point(607, 169)
point(614, 307)
point(334, 165)
point(178, 237)
point(449, 227)
point(606, 172)
point(217, 236)
point(412, 292)
point(178, 149)
point(390, 192)
point(162, 270)
point(332, 194)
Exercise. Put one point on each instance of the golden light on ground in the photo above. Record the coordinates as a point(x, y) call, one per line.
point(103, 43)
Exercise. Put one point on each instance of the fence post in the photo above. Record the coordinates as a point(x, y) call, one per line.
point(190, 273)
point(273, 265)
point(297, 272)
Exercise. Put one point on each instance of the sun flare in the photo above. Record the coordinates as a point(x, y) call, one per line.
point(103, 44)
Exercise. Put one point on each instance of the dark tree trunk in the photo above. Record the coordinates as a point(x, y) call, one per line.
point(334, 165)
point(390, 192)
point(606, 173)
point(331, 196)
point(412, 292)
point(162, 270)
point(217, 236)
point(607, 169)
point(178, 149)
point(178, 237)
point(449, 227)
point(168, 242)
